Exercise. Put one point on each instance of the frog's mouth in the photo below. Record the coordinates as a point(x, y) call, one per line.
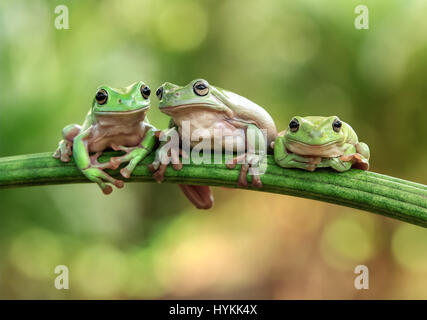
point(171, 110)
point(327, 150)
point(123, 113)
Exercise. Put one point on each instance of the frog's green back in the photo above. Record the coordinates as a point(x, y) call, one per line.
point(247, 111)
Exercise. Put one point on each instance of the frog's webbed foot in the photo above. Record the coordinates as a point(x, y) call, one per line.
point(163, 159)
point(64, 151)
point(100, 165)
point(65, 146)
point(129, 156)
point(95, 172)
point(102, 178)
point(247, 161)
point(358, 161)
point(133, 155)
point(158, 171)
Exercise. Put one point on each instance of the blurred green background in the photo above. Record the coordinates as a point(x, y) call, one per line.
point(300, 57)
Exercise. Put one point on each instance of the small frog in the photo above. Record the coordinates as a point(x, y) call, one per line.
point(317, 142)
point(208, 108)
point(117, 121)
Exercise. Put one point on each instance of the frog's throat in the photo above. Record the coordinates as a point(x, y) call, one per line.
point(327, 150)
point(121, 118)
point(171, 110)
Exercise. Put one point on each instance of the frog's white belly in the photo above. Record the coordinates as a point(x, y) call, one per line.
point(102, 137)
point(210, 130)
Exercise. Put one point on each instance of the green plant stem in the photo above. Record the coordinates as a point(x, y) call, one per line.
point(389, 196)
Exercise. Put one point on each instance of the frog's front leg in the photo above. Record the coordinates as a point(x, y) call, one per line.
point(64, 150)
point(291, 160)
point(90, 167)
point(134, 154)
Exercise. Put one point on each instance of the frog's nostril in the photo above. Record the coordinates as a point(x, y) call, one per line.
point(120, 100)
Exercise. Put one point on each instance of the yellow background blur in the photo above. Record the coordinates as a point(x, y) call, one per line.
point(300, 57)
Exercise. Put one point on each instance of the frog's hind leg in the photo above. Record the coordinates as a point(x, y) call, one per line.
point(100, 165)
point(359, 159)
point(65, 147)
point(200, 196)
point(252, 160)
point(101, 177)
point(364, 154)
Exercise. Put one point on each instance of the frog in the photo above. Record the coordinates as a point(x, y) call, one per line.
point(211, 108)
point(117, 120)
point(318, 142)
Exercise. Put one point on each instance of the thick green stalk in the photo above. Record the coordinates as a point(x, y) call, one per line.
point(389, 196)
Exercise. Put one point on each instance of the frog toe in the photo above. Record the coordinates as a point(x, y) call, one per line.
point(119, 184)
point(114, 163)
point(176, 163)
point(256, 182)
point(153, 167)
point(159, 175)
point(107, 189)
point(243, 181)
point(177, 166)
point(65, 157)
point(125, 172)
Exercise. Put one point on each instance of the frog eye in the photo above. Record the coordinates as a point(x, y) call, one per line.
point(336, 125)
point(159, 93)
point(201, 88)
point(294, 125)
point(101, 97)
point(145, 91)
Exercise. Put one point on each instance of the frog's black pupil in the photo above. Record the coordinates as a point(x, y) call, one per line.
point(159, 93)
point(146, 91)
point(200, 89)
point(337, 124)
point(294, 125)
point(101, 97)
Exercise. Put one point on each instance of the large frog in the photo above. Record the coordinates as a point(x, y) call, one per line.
point(208, 108)
point(117, 121)
point(317, 142)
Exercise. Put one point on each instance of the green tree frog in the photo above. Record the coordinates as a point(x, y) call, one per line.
point(117, 121)
point(315, 142)
point(207, 109)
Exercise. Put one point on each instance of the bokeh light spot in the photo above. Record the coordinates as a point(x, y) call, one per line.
point(182, 26)
point(409, 247)
point(346, 241)
point(99, 271)
point(36, 253)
